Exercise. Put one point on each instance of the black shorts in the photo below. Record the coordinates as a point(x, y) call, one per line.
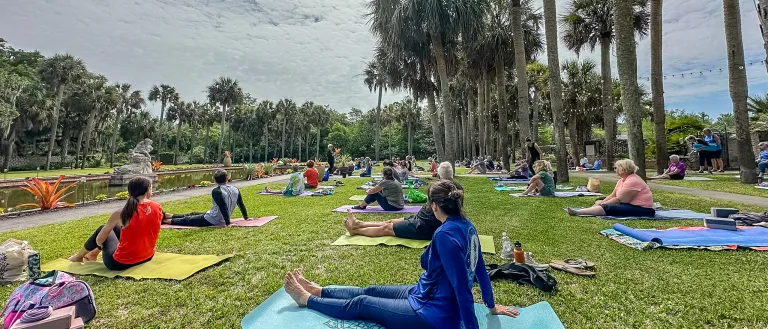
point(627, 210)
point(676, 177)
point(408, 229)
point(716, 154)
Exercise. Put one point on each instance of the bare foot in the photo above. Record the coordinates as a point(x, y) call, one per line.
point(310, 287)
point(294, 289)
point(75, 259)
point(93, 255)
point(349, 226)
point(572, 212)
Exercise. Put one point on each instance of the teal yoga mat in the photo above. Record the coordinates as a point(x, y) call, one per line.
point(279, 311)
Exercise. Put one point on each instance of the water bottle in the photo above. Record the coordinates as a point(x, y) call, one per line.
point(519, 253)
point(506, 247)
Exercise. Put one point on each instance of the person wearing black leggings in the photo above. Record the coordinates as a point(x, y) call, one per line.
point(224, 197)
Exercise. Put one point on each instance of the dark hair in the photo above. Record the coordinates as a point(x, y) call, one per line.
point(137, 187)
point(389, 173)
point(449, 198)
point(220, 176)
point(389, 163)
point(527, 139)
point(310, 164)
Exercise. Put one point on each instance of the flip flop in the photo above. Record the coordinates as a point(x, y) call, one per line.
point(563, 266)
point(580, 263)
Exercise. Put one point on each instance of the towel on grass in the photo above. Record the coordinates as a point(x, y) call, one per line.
point(162, 266)
point(237, 222)
point(486, 242)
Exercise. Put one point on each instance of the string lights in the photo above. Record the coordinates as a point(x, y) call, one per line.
point(699, 73)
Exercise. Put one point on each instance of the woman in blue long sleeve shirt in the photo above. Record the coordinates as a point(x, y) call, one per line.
point(443, 296)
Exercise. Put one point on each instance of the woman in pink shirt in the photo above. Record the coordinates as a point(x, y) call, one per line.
point(631, 198)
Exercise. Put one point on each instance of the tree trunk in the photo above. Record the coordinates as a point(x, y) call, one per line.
point(378, 122)
point(160, 131)
point(250, 150)
point(178, 141)
point(489, 143)
point(501, 98)
point(470, 126)
point(113, 140)
point(221, 131)
point(54, 126)
point(317, 151)
point(88, 132)
point(65, 140)
point(626, 59)
point(207, 141)
point(609, 110)
point(556, 89)
point(573, 135)
point(445, 94)
point(192, 142)
point(299, 158)
point(434, 120)
point(536, 113)
point(9, 149)
point(282, 152)
point(481, 115)
point(737, 84)
point(657, 87)
point(523, 105)
point(79, 147)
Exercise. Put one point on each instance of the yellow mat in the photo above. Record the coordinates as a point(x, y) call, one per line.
point(486, 242)
point(162, 266)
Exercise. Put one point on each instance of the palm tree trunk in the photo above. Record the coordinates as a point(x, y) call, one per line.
point(79, 147)
point(299, 158)
point(282, 154)
point(9, 149)
point(501, 96)
point(88, 132)
point(573, 136)
point(445, 94)
point(737, 84)
point(556, 89)
point(178, 141)
point(657, 87)
point(250, 150)
point(54, 126)
point(470, 131)
point(266, 142)
point(207, 141)
point(489, 144)
point(434, 120)
point(113, 140)
point(523, 105)
point(160, 131)
point(626, 59)
point(221, 130)
point(192, 142)
point(536, 113)
point(65, 140)
point(378, 122)
point(609, 111)
point(317, 148)
point(481, 114)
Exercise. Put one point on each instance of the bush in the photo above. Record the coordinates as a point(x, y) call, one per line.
point(205, 183)
point(165, 157)
point(122, 195)
point(198, 154)
point(102, 197)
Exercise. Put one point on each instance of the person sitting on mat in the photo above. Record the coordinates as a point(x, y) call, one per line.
point(480, 166)
point(388, 193)
point(224, 196)
point(542, 183)
point(311, 175)
point(520, 171)
point(367, 168)
point(489, 164)
point(584, 162)
point(295, 185)
point(442, 298)
point(676, 170)
point(598, 165)
point(130, 235)
point(762, 160)
point(630, 198)
point(418, 227)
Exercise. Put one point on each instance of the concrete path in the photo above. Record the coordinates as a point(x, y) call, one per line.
point(63, 215)
point(746, 199)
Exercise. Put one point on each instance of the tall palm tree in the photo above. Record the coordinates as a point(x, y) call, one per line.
point(657, 87)
point(737, 84)
point(103, 99)
point(538, 74)
point(626, 59)
point(266, 110)
point(583, 101)
point(226, 92)
point(556, 89)
point(286, 108)
point(59, 73)
point(164, 94)
point(321, 115)
point(523, 105)
point(588, 23)
point(375, 78)
point(180, 112)
point(129, 101)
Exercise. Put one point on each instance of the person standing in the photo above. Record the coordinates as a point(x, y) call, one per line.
point(331, 160)
point(534, 152)
point(716, 151)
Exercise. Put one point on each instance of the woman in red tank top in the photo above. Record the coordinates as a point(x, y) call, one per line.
point(130, 235)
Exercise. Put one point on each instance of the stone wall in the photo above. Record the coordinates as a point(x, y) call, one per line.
point(30, 162)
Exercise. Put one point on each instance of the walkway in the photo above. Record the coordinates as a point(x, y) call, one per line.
point(64, 215)
point(746, 199)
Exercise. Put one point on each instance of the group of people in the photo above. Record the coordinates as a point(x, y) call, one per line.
point(710, 151)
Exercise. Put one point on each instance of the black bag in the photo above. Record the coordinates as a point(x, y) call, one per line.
point(523, 274)
point(749, 219)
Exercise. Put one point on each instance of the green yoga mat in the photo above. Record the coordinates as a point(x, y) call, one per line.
point(162, 266)
point(486, 242)
point(357, 197)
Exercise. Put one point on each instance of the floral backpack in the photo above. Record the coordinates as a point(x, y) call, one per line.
point(55, 289)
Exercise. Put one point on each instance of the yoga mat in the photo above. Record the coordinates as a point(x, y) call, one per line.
point(238, 222)
point(366, 186)
point(661, 215)
point(357, 198)
point(510, 181)
point(377, 209)
point(302, 194)
point(697, 178)
point(280, 311)
point(486, 242)
point(762, 187)
point(745, 236)
point(162, 266)
point(561, 194)
point(510, 188)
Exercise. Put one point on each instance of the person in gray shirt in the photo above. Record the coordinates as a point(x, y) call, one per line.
point(224, 196)
point(388, 193)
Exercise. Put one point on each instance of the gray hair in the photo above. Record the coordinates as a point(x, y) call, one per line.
point(445, 171)
point(295, 167)
point(674, 158)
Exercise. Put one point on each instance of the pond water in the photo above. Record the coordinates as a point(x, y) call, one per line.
point(14, 196)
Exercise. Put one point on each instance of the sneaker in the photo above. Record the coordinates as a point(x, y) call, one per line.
point(358, 208)
point(529, 260)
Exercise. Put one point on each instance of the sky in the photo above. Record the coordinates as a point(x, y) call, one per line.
point(316, 49)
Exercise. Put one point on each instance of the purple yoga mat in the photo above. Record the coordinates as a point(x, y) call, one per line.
point(303, 194)
point(238, 222)
point(377, 209)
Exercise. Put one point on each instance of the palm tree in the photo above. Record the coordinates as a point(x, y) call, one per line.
point(588, 23)
point(226, 92)
point(626, 59)
point(103, 98)
point(376, 79)
point(59, 73)
point(583, 101)
point(128, 102)
point(266, 110)
point(538, 74)
point(286, 108)
point(737, 84)
point(556, 89)
point(657, 87)
point(180, 112)
point(523, 91)
point(164, 94)
point(321, 115)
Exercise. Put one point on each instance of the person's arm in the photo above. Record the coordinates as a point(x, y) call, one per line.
point(241, 205)
point(374, 190)
point(113, 221)
point(455, 268)
point(218, 199)
point(630, 191)
point(538, 149)
point(485, 282)
point(717, 139)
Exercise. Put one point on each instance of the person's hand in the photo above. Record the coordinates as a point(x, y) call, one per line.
point(599, 202)
point(504, 310)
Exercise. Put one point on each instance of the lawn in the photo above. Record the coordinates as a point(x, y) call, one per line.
point(721, 182)
point(633, 289)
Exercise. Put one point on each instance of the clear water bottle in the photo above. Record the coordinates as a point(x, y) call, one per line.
point(506, 247)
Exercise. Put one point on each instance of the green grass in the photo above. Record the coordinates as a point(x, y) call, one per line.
point(721, 182)
point(633, 289)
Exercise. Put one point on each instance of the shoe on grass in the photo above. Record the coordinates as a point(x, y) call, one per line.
point(530, 261)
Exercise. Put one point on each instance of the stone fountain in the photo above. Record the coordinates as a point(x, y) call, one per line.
point(139, 164)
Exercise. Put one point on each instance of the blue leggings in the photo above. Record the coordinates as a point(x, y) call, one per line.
point(384, 305)
point(382, 200)
point(762, 166)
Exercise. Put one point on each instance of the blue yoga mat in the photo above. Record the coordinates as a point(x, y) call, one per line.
point(662, 215)
point(745, 237)
point(280, 311)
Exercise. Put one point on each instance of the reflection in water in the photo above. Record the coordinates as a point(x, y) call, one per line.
point(11, 197)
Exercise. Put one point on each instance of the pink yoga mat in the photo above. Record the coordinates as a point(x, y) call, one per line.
point(239, 222)
point(377, 209)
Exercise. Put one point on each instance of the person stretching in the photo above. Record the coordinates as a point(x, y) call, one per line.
point(224, 197)
point(419, 227)
point(311, 175)
point(442, 298)
point(676, 170)
point(130, 235)
point(542, 183)
point(388, 193)
point(295, 185)
point(631, 197)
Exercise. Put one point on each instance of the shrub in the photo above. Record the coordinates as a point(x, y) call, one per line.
point(269, 168)
point(101, 197)
point(49, 196)
point(165, 157)
point(122, 195)
point(205, 183)
point(250, 170)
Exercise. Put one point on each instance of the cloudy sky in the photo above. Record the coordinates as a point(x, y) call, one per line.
point(316, 49)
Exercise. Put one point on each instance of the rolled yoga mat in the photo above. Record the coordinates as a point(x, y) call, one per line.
point(745, 236)
point(280, 311)
point(237, 222)
point(378, 209)
point(486, 242)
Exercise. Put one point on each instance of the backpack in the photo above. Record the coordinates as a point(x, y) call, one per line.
point(749, 219)
point(522, 274)
point(55, 289)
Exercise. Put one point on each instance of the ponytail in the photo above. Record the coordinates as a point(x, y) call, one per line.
point(137, 187)
point(131, 206)
point(448, 197)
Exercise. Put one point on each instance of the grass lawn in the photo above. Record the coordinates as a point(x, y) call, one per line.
point(721, 182)
point(633, 289)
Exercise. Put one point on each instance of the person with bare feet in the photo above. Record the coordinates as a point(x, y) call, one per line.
point(442, 298)
point(130, 235)
point(295, 185)
point(631, 197)
point(388, 193)
point(418, 227)
point(225, 197)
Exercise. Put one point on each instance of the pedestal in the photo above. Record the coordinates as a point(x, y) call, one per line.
point(122, 180)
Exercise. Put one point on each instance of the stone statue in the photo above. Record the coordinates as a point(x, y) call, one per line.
point(139, 160)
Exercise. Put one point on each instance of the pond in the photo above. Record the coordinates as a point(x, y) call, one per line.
point(14, 196)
